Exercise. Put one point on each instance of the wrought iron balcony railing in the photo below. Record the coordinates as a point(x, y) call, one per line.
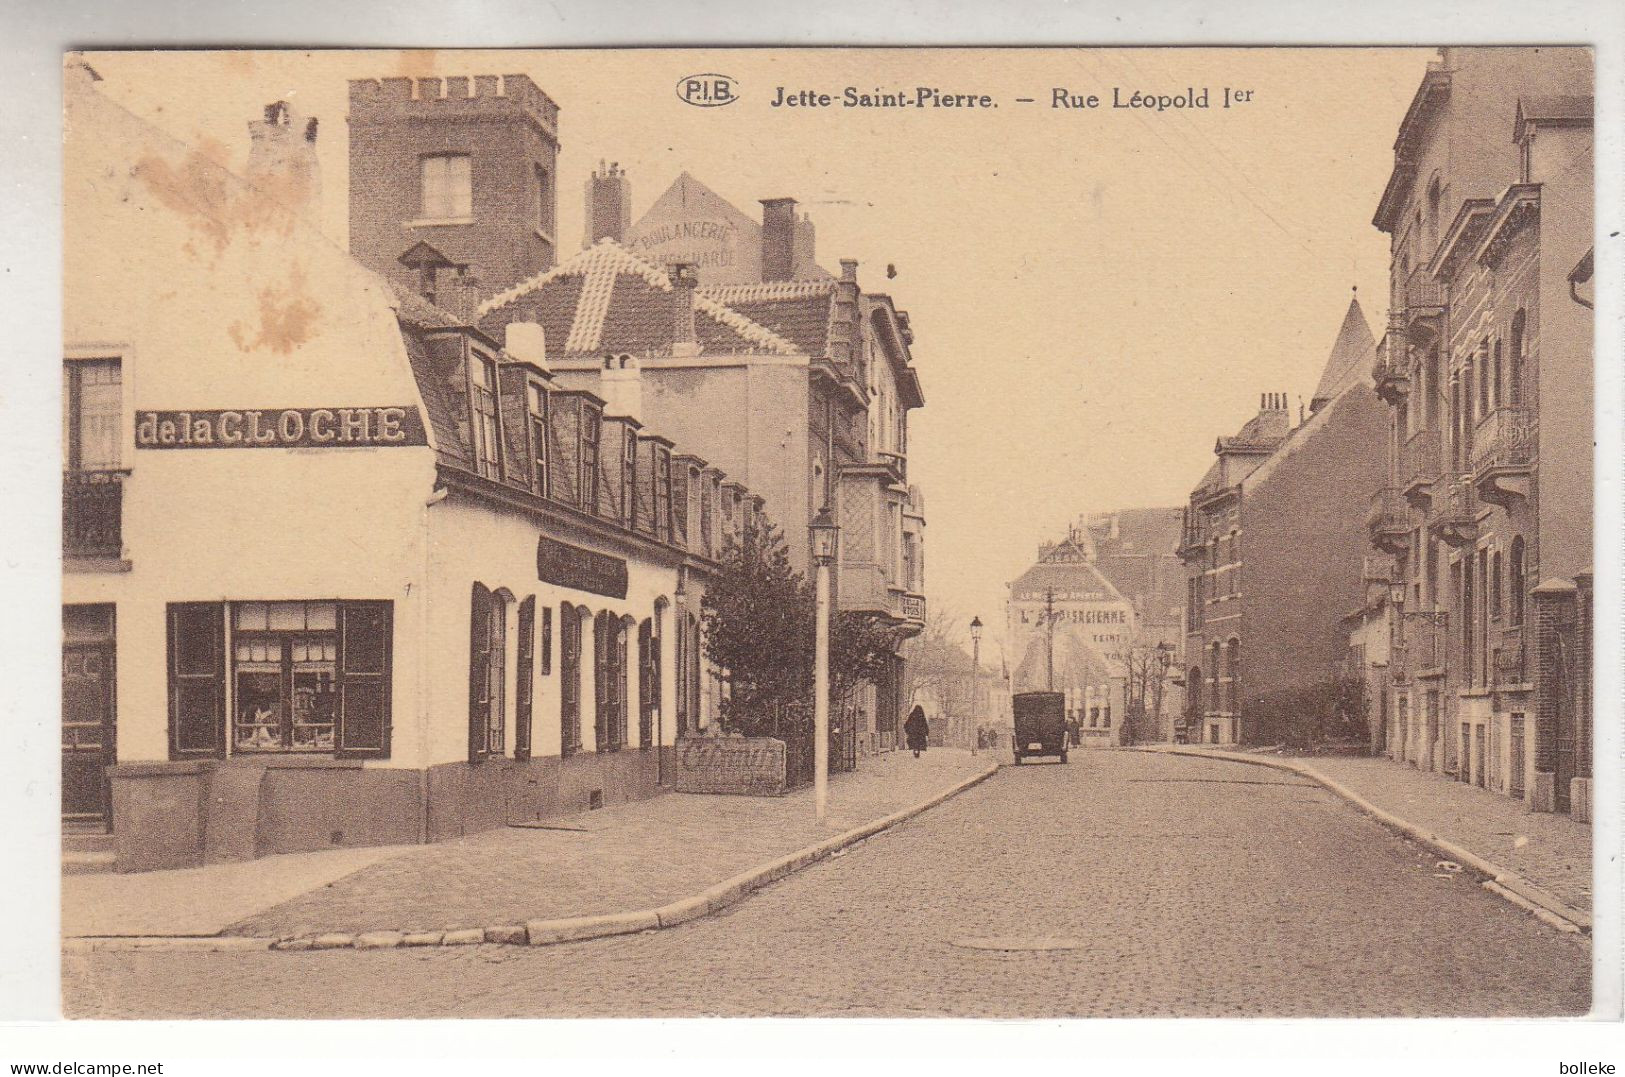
point(1422, 292)
point(1420, 466)
point(1388, 521)
point(92, 513)
point(1455, 517)
point(1505, 438)
point(1426, 639)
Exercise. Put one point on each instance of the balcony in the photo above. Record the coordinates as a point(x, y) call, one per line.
point(1455, 517)
point(1424, 303)
point(1388, 522)
point(1510, 660)
point(93, 514)
point(897, 462)
point(1419, 467)
point(1392, 370)
point(1426, 642)
point(1504, 455)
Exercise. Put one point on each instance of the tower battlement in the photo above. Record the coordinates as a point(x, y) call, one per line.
point(393, 99)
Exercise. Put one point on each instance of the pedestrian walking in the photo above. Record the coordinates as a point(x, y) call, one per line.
point(915, 730)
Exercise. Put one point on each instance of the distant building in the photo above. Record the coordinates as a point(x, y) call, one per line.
point(1112, 589)
point(1486, 508)
point(1274, 547)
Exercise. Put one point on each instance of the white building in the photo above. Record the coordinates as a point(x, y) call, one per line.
point(339, 569)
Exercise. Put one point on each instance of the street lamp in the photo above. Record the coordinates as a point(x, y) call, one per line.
point(975, 681)
point(825, 544)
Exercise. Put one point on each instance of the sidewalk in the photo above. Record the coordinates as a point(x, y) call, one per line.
point(1550, 851)
point(620, 859)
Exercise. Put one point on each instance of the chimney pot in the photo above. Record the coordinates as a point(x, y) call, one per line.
point(849, 269)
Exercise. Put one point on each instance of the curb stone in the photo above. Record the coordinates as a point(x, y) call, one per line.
point(559, 930)
point(200, 943)
point(1501, 881)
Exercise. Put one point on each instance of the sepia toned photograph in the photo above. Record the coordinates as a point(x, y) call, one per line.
point(866, 533)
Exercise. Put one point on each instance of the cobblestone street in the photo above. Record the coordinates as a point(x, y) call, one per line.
point(1123, 884)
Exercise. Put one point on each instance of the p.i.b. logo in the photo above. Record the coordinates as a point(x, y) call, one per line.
point(707, 90)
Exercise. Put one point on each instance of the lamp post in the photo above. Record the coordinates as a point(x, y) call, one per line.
point(825, 540)
point(975, 681)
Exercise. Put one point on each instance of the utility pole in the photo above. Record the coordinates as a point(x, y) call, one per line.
point(1049, 639)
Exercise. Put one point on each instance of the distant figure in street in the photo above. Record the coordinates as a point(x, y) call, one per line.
point(915, 730)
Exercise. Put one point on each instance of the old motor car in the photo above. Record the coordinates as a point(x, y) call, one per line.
point(1040, 724)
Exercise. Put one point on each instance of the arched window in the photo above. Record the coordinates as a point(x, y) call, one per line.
point(1515, 582)
point(570, 678)
point(1515, 385)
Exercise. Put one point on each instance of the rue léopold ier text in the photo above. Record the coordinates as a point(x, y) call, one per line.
point(1057, 97)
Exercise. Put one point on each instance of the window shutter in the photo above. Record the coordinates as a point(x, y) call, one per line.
point(479, 670)
point(600, 681)
point(197, 680)
point(366, 635)
point(524, 690)
point(547, 640)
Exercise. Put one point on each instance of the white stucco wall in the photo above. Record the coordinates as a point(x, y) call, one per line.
point(219, 297)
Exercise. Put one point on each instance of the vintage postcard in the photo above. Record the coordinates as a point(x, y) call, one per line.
point(976, 533)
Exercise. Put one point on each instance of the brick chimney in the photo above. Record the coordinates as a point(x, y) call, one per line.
point(282, 158)
point(685, 278)
point(779, 227)
point(609, 204)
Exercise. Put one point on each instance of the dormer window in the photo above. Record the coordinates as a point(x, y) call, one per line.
point(482, 399)
point(663, 504)
point(536, 408)
point(448, 191)
point(629, 472)
point(588, 484)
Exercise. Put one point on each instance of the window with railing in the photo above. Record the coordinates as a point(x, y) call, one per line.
point(92, 455)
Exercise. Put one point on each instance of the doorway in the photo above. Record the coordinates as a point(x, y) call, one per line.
point(89, 716)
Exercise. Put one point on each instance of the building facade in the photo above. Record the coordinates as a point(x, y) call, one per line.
point(819, 374)
point(340, 568)
point(1487, 507)
point(1274, 550)
point(1097, 617)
